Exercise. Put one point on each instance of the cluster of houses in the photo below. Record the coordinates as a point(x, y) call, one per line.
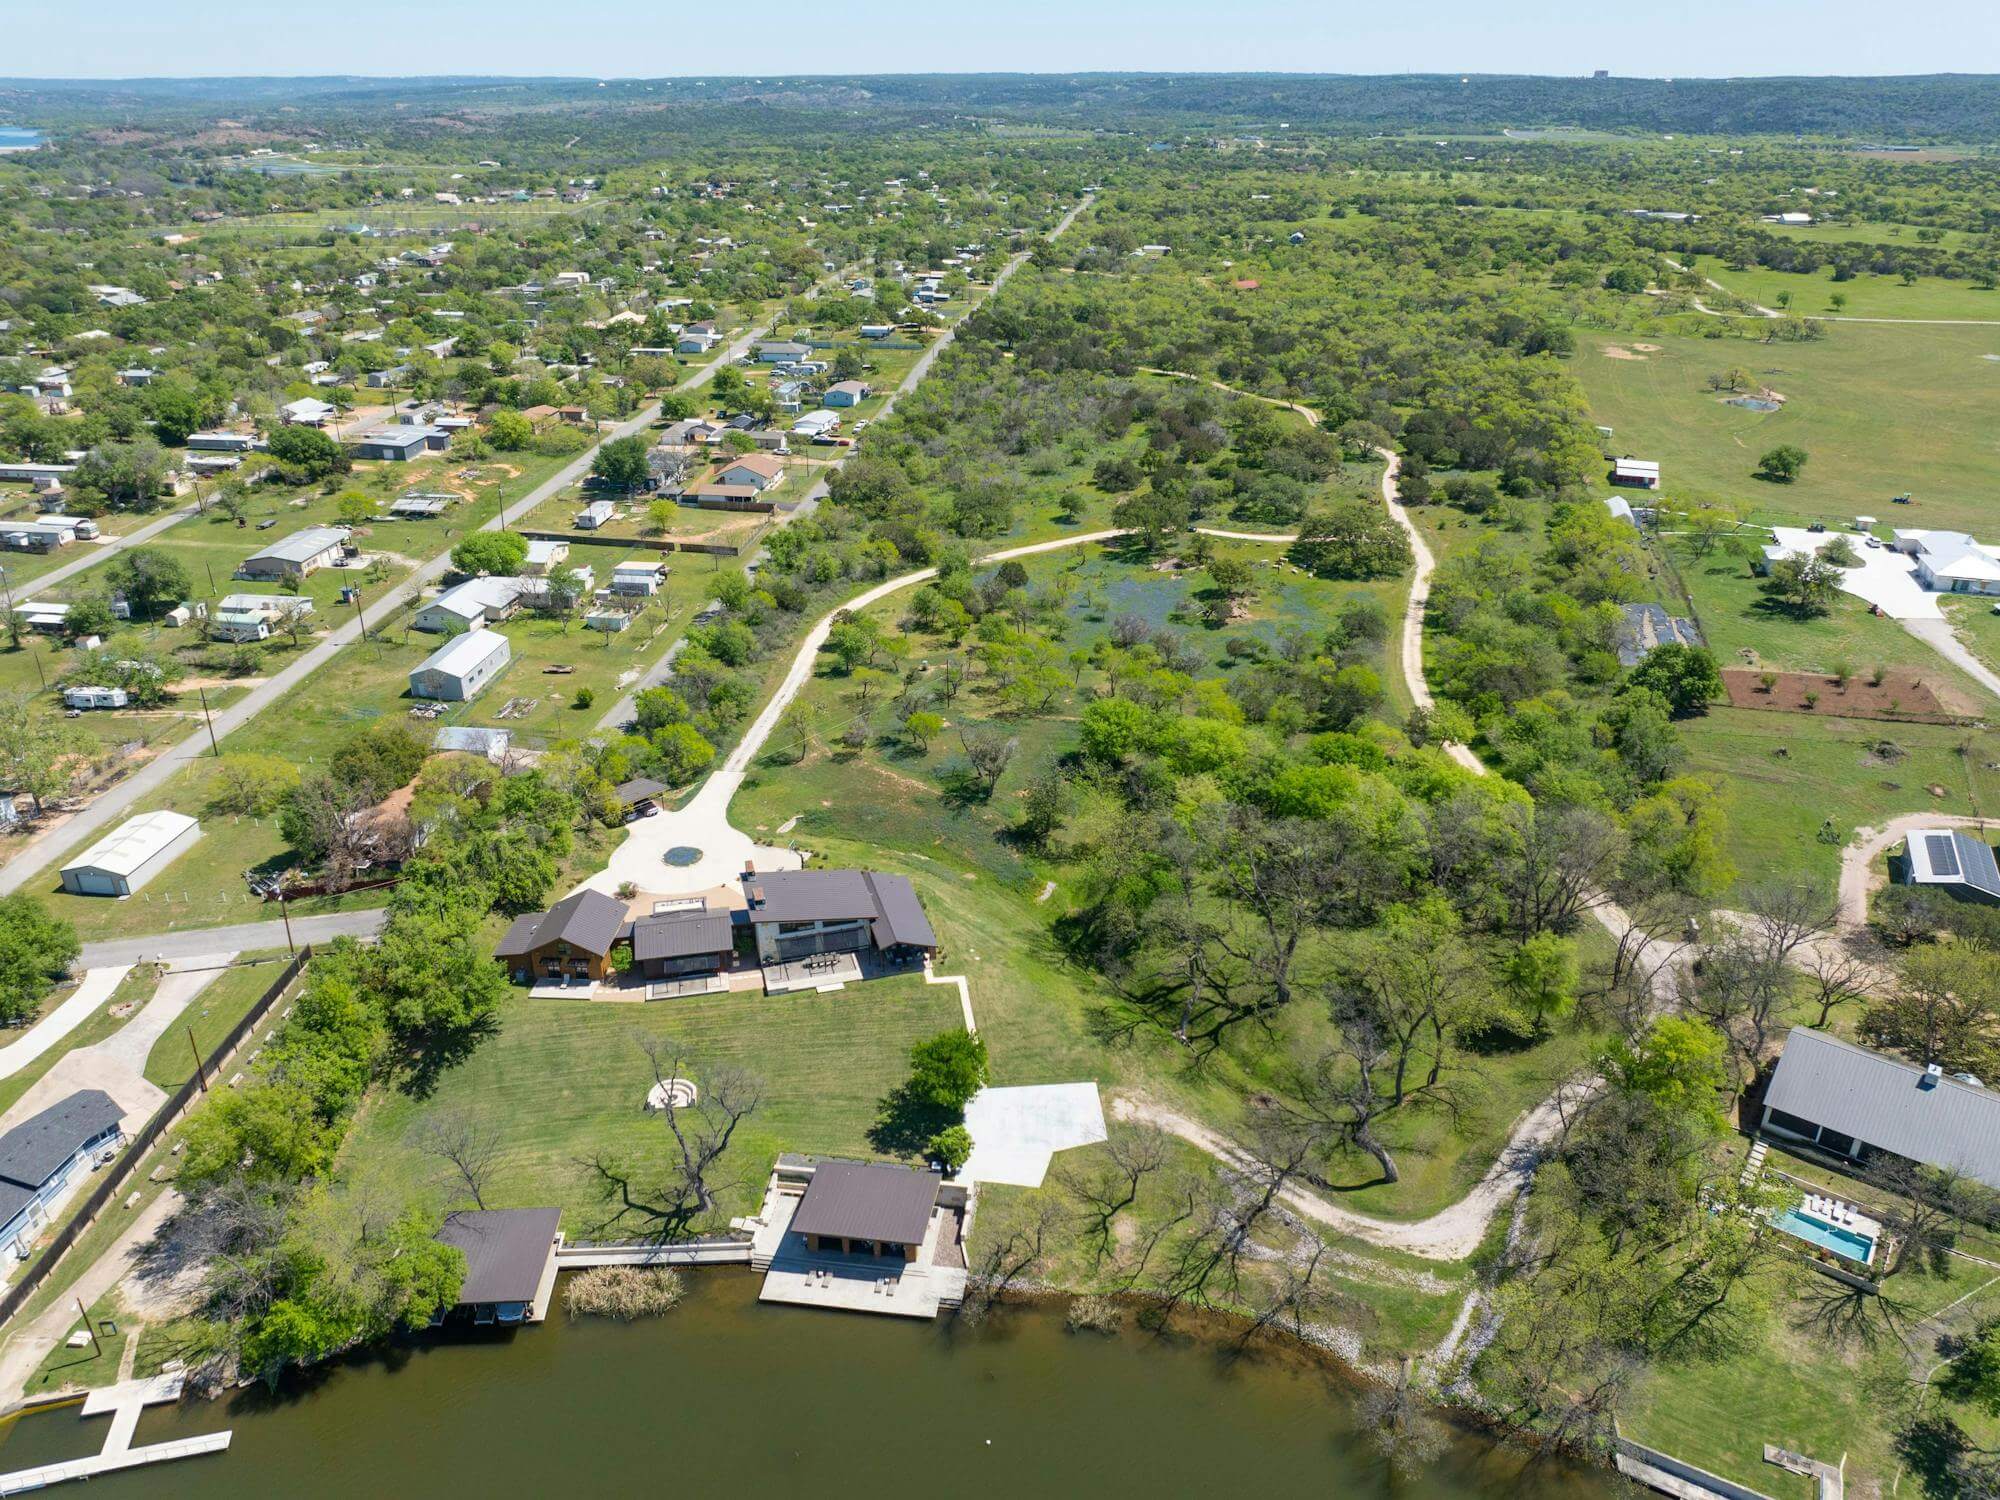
point(777, 920)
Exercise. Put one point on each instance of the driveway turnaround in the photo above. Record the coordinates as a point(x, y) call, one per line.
point(1884, 578)
point(1016, 1131)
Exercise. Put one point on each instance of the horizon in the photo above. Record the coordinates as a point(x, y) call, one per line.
point(127, 41)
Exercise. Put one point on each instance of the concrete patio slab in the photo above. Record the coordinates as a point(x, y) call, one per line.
point(1016, 1131)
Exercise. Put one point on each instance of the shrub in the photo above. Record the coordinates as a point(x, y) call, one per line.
point(950, 1147)
point(1092, 1313)
point(623, 1292)
point(584, 697)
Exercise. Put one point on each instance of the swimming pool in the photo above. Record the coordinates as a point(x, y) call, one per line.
point(1814, 1230)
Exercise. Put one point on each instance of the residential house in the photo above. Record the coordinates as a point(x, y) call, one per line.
point(637, 577)
point(302, 552)
point(470, 605)
point(461, 668)
point(799, 913)
point(846, 393)
point(572, 940)
point(782, 352)
point(307, 411)
point(731, 497)
point(381, 380)
point(759, 471)
point(677, 944)
point(40, 1156)
point(1866, 1107)
point(597, 514)
point(131, 854)
point(1950, 562)
point(544, 554)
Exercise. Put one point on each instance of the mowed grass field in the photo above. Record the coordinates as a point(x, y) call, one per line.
point(564, 1082)
point(1881, 411)
point(1787, 775)
point(1868, 295)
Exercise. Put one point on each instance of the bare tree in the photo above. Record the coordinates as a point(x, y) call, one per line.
point(1838, 977)
point(1787, 914)
point(1738, 986)
point(1406, 1428)
point(1130, 1157)
point(1011, 1257)
point(464, 1144)
point(700, 1135)
point(1275, 868)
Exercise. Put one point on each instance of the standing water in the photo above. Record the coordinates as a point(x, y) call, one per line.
point(723, 1395)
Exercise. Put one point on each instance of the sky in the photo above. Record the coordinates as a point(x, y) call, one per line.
point(663, 38)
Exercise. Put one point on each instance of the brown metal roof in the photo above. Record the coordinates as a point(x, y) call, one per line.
point(589, 920)
point(506, 1251)
point(887, 902)
point(862, 1200)
point(681, 934)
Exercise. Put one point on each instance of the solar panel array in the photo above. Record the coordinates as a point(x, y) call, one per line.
point(1944, 856)
point(1982, 872)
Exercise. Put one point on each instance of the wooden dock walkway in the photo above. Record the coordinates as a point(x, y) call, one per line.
point(124, 1402)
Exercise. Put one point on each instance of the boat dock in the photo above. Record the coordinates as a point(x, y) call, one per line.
point(124, 1402)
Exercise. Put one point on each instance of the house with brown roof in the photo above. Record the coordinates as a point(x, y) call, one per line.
point(539, 415)
point(510, 1262)
point(676, 944)
point(760, 471)
point(570, 942)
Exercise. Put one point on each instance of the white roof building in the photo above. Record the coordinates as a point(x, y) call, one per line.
point(125, 859)
point(462, 666)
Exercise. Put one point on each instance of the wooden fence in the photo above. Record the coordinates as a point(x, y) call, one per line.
point(164, 1118)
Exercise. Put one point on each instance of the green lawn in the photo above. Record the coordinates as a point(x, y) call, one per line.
point(1737, 616)
point(1868, 295)
point(93, 1364)
point(218, 1008)
point(564, 1081)
point(1784, 777)
point(1903, 236)
point(1881, 411)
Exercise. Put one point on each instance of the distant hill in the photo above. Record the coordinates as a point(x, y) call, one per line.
point(1943, 107)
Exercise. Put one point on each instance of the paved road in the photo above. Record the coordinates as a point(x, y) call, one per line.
point(242, 937)
point(59, 839)
point(96, 552)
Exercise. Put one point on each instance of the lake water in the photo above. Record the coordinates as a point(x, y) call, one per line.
point(20, 138)
point(725, 1395)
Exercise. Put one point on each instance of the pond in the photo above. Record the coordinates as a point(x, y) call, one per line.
point(1756, 403)
point(724, 1394)
point(20, 138)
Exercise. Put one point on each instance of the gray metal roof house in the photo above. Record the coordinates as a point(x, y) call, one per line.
point(797, 913)
point(510, 1261)
point(1862, 1105)
point(296, 555)
point(1954, 860)
point(39, 1156)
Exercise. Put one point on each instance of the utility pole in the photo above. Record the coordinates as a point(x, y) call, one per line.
point(89, 1328)
point(200, 1074)
point(209, 722)
point(359, 615)
point(285, 911)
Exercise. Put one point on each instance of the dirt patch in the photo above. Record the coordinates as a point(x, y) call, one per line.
point(1899, 695)
point(1647, 348)
point(1619, 351)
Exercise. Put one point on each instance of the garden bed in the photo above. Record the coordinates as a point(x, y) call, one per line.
point(1899, 694)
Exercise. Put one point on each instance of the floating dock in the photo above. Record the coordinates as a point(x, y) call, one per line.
point(123, 1402)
